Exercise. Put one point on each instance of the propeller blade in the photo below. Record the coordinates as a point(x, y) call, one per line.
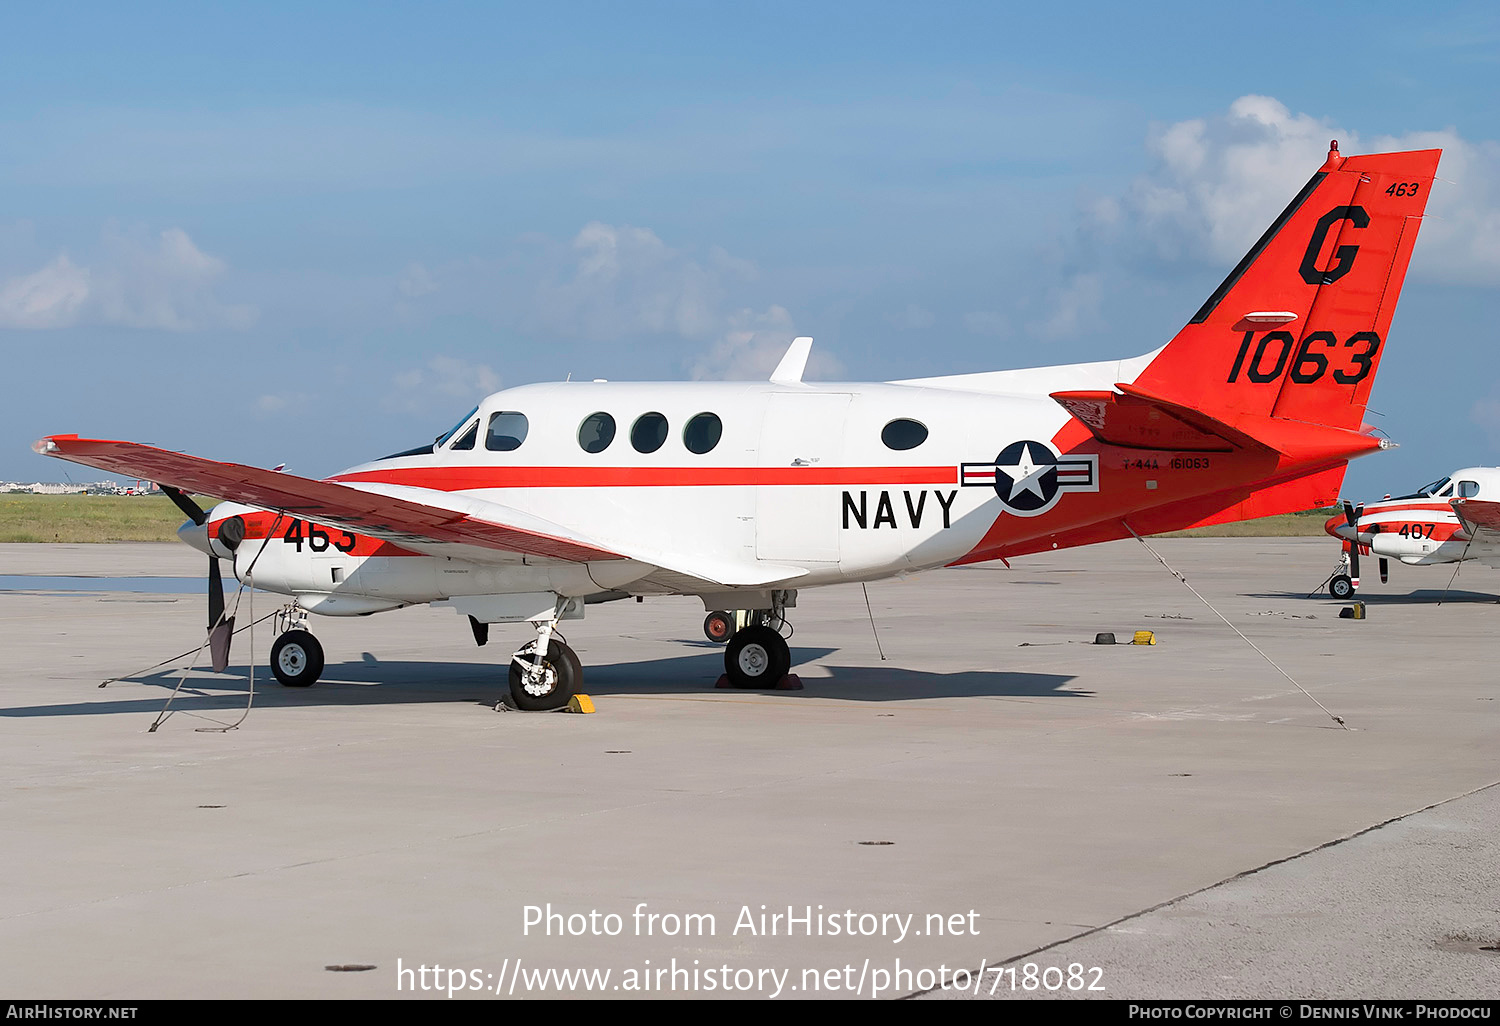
point(1385, 569)
point(219, 634)
point(1350, 516)
point(215, 593)
point(1354, 564)
point(188, 506)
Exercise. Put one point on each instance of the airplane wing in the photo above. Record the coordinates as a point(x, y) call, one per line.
point(405, 515)
point(1479, 516)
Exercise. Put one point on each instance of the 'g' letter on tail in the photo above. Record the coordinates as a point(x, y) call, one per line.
point(1297, 330)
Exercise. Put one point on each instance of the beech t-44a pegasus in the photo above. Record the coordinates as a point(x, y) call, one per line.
point(1453, 519)
point(550, 496)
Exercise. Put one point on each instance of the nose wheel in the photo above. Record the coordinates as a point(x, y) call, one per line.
point(297, 659)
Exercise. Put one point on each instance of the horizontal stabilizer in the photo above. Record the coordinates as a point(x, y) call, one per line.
point(1136, 422)
point(1134, 418)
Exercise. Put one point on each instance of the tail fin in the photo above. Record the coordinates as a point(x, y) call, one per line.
point(1296, 330)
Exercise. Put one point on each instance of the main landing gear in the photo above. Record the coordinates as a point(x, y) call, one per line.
point(757, 655)
point(296, 656)
point(542, 682)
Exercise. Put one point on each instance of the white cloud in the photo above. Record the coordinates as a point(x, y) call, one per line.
point(622, 281)
point(48, 298)
point(441, 381)
point(1220, 180)
point(416, 281)
point(753, 345)
point(164, 283)
point(1071, 308)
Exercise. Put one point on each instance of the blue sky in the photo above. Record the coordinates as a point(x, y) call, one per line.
point(314, 234)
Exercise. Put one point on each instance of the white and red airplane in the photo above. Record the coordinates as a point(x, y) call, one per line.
point(549, 496)
point(1453, 519)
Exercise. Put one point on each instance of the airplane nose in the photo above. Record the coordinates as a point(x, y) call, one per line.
point(1334, 525)
point(195, 535)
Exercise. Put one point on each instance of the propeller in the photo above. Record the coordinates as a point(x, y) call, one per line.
point(1352, 514)
point(231, 533)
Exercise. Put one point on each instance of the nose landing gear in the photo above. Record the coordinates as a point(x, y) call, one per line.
point(296, 656)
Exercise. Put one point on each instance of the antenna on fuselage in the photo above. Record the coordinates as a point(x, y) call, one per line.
point(789, 370)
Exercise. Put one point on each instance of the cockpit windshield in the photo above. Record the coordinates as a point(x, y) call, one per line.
point(423, 450)
point(1427, 489)
point(449, 433)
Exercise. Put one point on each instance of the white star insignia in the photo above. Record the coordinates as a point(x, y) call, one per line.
point(1025, 476)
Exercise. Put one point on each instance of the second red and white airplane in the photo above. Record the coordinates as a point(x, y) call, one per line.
point(548, 497)
point(1453, 519)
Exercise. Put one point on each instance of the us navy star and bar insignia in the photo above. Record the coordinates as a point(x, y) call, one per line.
point(1030, 476)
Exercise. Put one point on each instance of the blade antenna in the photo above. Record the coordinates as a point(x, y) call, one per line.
point(1336, 719)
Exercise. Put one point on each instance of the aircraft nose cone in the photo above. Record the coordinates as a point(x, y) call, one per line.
point(1334, 525)
point(195, 535)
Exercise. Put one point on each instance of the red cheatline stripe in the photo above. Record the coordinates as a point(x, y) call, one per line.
point(452, 479)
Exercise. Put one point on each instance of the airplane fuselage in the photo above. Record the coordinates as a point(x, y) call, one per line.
point(816, 484)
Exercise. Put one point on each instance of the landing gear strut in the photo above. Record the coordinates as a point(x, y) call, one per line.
point(296, 656)
point(539, 683)
point(757, 655)
point(1341, 585)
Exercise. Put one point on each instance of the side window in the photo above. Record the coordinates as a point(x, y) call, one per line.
point(596, 432)
point(648, 432)
point(703, 433)
point(903, 434)
point(507, 431)
point(466, 440)
point(1468, 489)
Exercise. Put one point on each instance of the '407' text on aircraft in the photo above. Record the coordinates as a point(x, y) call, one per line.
point(549, 496)
point(1453, 519)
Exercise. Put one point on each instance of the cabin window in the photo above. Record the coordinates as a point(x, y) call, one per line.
point(507, 431)
point(1468, 489)
point(466, 440)
point(703, 433)
point(649, 432)
point(596, 432)
point(903, 434)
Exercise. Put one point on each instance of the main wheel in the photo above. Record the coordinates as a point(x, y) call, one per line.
point(561, 676)
point(757, 657)
point(1341, 587)
point(718, 626)
point(297, 659)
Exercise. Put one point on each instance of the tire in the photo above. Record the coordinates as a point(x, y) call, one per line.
point(757, 657)
point(1341, 587)
point(718, 626)
point(297, 659)
point(563, 676)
